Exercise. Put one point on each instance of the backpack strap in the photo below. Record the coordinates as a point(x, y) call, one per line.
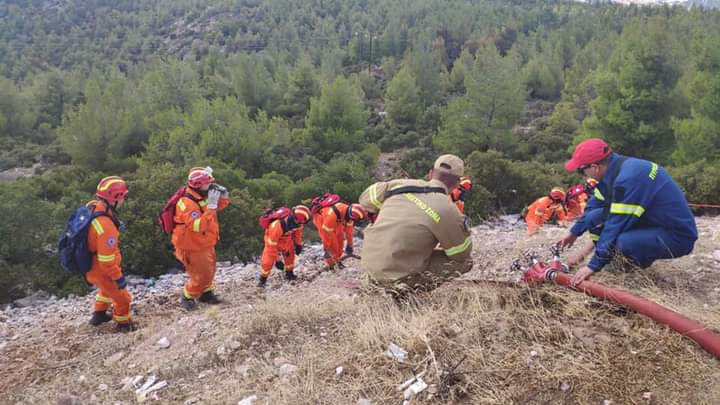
point(611, 188)
point(336, 211)
point(414, 190)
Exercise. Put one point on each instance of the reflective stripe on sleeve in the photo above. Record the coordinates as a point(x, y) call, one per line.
point(598, 195)
point(98, 227)
point(181, 205)
point(627, 209)
point(373, 196)
point(101, 298)
point(106, 258)
point(459, 248)
point(196, 225)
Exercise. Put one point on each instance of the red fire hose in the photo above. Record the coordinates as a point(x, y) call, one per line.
point(679, 323)
point(540, 272)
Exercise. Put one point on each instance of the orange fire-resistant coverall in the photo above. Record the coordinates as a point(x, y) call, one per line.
point(455, 196)
point(279, 242)
point(104, 241)
point(576, 207)
point(541, 211)
point(194, 237)
point(334, 231)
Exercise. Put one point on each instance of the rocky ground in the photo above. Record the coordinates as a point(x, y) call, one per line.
point(322, 339)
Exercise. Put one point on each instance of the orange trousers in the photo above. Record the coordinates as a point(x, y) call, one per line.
point(109, 294)
point(333, 243)
point(200, 267)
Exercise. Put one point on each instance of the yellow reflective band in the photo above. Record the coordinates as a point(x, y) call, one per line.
point(119, 318)
point(196, 225)
point(653, 171)
point(626, 209)
point(107, 185)
point(459, 248)
point(271, 242)
point(594, 237)
point(211, 288)
point(181, 205)
point(598, 194)
point(203, 203)
point(325, 228)
point(421, 204)
point(106, 258)
point(98, 227)
point(100, 298)
point(373, 196)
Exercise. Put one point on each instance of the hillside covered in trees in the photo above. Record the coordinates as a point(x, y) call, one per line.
point(287, 99)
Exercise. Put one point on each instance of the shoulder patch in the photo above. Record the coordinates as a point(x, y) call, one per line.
point(111, 241)
point(195, 214)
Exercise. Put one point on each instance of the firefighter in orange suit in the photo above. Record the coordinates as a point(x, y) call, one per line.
point(104, 240)
point(335, 226)
point(284, 236)
point(196, 234)
point(544, 208)
point(459, 193)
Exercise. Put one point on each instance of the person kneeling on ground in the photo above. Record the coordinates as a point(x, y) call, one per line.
point(413, 217)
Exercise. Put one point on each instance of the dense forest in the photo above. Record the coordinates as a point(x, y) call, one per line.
point(286, 99)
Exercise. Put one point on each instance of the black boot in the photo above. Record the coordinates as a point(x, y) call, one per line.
point(209, 297)
point(263, 282)
point(100, 317)
point(125, 327)
point(290, 276)
point(188, 304)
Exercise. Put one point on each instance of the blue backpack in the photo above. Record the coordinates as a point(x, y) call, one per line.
point(75, 257)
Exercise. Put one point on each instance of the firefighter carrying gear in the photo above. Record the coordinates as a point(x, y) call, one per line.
point(106, 273)
point(544, 209)
point(195, 236)
point(575, 202)
point(459, 193)
point(335, 226)
point(283, 237)
point(645, 217)
point(399, 248)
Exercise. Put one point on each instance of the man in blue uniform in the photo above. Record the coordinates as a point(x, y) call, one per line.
point(639, 211)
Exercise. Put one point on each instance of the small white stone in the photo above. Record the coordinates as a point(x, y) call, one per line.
point(533, 353)
point(82, 379)
point(607, 402)
point(103, 387)
point(564, 387)
point(163, 343)
point(364, 401)
point(339, 371)
point(647, 395)
point(248, 400)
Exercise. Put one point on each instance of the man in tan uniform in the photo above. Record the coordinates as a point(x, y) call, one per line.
point(413, 217)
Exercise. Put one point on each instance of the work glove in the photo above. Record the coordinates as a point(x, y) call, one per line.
point(213, 197)
point(121, 282)
point(349, 249)
point(280, 265)
point(298, 249)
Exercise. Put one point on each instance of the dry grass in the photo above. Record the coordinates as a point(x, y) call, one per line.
point(478, 343)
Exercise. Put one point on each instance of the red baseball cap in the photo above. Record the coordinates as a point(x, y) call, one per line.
point(587, 152)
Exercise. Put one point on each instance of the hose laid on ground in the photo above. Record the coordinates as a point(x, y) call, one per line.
point(679, 323)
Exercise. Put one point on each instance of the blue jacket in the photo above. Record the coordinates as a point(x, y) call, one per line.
point(645, 197)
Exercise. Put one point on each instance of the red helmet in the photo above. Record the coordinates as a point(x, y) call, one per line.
point(575, 191)
point(302, 214)
point(111, 189)
point(357, 212)
point(465, 183)
point(200, 176)
point(455, 194)
point(557, 194)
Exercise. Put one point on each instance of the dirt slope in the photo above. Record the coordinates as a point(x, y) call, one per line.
point(477, 342)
